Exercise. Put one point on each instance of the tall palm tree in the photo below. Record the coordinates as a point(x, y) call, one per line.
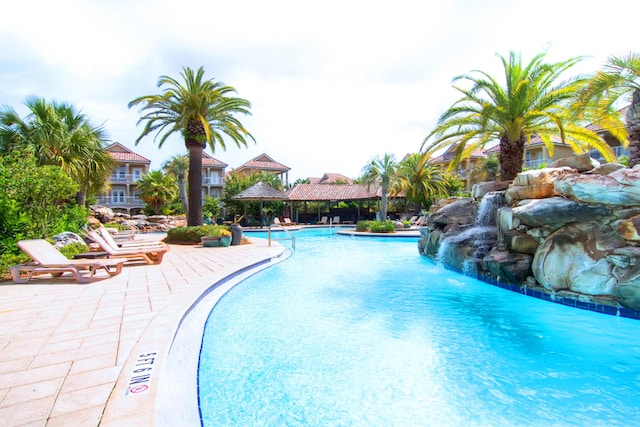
point(381, 171)
point(531, 101)
point(619, 79)
point(59, 135)
point(156, 189)
point(202, 111)
point(178, 167)
point(420, 181)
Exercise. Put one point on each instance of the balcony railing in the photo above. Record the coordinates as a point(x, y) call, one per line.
point(211, 180)
point(121, 201)
point(535, 164)
point(619, 151)
point(124, 177)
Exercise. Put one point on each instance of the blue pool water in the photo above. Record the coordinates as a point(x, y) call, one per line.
point(364, 332)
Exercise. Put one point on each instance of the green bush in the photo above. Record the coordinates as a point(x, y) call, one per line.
point(8, 260)
point(363, 225)
point(385, 226)
point(193, 234)
point(74, 248)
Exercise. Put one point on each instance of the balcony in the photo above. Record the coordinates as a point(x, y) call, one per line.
point(535, 164)
point(123, 201)
point(619, 151)
point(124, 178)
point(211, 180)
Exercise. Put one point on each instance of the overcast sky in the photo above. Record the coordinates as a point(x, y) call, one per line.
point(332, 83)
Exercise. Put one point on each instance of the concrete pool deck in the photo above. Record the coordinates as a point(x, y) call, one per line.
point(68, 351)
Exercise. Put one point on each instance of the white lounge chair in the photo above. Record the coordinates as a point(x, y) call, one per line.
point(336, 219)
point(46, 259)
point(324, 220)
point(148, 254)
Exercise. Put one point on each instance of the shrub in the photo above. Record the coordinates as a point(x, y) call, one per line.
point(194, 233)
point(386, 226)
point(8, 260)
point(73, 248)
point(363, 225)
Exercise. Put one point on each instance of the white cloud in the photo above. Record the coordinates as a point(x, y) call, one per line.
point(332, 83)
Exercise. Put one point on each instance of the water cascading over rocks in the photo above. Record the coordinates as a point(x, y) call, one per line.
point(570, 231)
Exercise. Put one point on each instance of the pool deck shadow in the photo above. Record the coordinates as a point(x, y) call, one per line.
point(79, 354)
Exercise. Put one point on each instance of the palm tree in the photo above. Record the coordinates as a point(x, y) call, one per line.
point(178, 167)
point(381, 171)
point(618, 80)
point(532, 101)
point(156, 189)
point(203, 112)
point(420, 181)
point(59, 135)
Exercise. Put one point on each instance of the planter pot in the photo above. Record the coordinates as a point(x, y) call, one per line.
point(225, 241)
point(236, 233)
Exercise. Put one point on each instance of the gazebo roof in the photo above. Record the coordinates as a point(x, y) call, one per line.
point(323, 192)
point(260, 191)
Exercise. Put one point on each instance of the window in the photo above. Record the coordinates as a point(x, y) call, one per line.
point(117, 197)
point(137, 174)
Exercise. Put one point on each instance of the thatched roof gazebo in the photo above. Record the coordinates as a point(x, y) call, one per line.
point(260, 192)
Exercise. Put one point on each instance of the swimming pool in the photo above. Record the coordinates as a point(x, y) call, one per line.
point(353, 331)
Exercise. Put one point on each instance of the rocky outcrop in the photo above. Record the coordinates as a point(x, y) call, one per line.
point(575, 258)
point(573, 229)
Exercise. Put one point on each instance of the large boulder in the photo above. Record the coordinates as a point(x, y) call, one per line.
point(536, 184)
point(508, 266)
point(459, 213)
point(574, 258)
point(481, 188)
point(555, 212)
point(621, 187)
point(580, 162)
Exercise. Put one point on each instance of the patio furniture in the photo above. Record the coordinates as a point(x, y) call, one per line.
point(46, 259)
point(149, 254)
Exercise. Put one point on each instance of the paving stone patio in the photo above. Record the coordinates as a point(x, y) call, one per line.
point(66, 349)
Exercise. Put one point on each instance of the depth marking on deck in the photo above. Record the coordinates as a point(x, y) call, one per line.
point(140, 379)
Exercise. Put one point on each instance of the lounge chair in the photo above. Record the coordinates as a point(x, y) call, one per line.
point(108, 237)
point(149, 254)
point(336, 220)
point(287, 221)
point(276, 221)
point(46, 259)
point(324, 220)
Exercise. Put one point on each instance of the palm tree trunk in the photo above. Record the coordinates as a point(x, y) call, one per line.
point(183, 195)
point(633, 126)
point(194, 215)
point(385, 202)
point(511, 153)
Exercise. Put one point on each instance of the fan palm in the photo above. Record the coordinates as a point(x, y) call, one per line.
point(203, 111)
point(156, 189)
point(420, 181)
point(618, 80)
point(382, 171)
point(59, 135)
point(178, 167)
point(531, 101)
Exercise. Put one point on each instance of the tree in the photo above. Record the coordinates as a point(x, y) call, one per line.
point(178, 167)
point(531, 101)
point(420, 181)
point(618, 80)
point(381, 171)
point(60, 136)
point(156, 189)
point(487, 169)
point(203, 111)
point(35, 201)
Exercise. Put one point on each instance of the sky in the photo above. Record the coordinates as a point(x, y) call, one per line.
point(332, 84)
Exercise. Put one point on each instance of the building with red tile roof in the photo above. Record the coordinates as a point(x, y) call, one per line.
point(264, 163)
